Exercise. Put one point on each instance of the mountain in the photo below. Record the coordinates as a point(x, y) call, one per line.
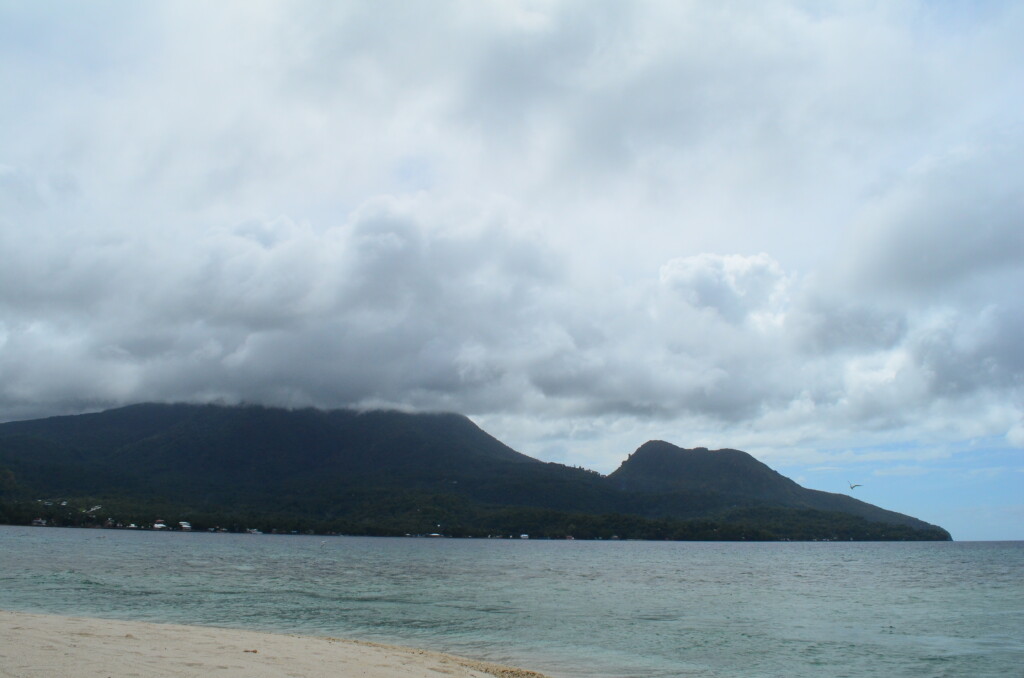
point(387, 472)
point(728, 478)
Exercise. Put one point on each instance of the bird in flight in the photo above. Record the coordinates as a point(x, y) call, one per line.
point(853, 485)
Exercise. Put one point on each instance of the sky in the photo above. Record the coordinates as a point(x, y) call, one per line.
point(793, 228)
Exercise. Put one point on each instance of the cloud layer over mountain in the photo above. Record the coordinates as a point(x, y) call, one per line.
point(781, 226)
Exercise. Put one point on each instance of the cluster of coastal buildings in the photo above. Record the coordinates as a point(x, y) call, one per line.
point(185, 526)
point(158, 524)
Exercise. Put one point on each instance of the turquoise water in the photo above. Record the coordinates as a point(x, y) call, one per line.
point(570, 609)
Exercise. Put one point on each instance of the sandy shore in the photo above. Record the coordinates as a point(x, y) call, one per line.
point(44, 646)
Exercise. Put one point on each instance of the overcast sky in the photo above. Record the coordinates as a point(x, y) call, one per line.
point(793, 228)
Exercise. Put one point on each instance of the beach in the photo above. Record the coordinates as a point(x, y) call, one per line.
point(43, 646)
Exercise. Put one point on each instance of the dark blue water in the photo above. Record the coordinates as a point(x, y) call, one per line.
point(569, 609)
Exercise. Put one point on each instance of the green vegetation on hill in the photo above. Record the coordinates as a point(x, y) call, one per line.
point(392, 473)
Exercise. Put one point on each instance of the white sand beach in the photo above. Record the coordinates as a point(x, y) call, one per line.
point(46, 646)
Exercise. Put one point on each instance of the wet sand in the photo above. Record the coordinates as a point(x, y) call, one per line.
point(44, 646)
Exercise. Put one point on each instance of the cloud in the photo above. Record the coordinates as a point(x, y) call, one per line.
point(944, 228)
point(1015, 436)
point(777, 226)
point(904, 470)
point(735, 287)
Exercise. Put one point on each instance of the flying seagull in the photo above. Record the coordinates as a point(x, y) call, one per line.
point(853, 485)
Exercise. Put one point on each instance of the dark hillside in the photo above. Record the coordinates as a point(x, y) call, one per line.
point(384, 472)
point(727, 479)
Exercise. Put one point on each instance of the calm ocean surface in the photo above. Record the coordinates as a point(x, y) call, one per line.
point(572, 609)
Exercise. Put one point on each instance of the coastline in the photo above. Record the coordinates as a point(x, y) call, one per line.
point(43, 645)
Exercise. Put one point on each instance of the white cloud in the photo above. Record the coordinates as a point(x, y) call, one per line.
point(737, 288)
point(1015, 435)
point(779, 227)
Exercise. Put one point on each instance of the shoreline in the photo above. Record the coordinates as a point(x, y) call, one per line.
point(43, 645)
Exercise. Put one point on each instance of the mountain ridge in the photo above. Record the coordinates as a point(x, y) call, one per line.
point(382, 471)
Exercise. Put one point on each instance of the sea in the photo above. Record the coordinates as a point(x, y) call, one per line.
point(570, 609)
